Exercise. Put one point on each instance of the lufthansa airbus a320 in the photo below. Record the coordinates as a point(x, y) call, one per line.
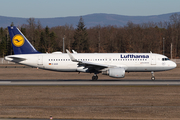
point(111, 64)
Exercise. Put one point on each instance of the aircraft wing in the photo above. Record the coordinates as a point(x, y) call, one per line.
point(91, 64)
point(88, 64)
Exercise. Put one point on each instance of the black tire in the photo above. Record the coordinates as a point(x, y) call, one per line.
point(94, 78)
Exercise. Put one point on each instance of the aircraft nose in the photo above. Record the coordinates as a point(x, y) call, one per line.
point(174, 65)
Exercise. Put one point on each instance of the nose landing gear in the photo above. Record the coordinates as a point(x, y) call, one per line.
point(153, 77)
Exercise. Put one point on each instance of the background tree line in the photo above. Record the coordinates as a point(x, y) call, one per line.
point(135, 38)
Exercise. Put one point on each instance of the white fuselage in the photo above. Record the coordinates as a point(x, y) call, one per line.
point(132, 62)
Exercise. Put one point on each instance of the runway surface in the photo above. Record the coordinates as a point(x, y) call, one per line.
point(88, 82)
point(40, 119)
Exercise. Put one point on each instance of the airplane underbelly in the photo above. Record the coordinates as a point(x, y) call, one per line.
point(145, 68)
point(138, 68)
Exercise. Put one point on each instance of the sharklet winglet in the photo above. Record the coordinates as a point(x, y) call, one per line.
point(71, 56)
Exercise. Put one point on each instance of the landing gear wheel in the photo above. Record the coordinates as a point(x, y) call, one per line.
point(94, 78)
point(152, 78)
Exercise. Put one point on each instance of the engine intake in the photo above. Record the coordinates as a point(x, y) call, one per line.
point(115, 72)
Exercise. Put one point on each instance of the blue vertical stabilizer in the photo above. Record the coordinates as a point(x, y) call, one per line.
point(20, 43)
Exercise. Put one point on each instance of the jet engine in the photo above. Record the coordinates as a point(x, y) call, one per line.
point(114, 72)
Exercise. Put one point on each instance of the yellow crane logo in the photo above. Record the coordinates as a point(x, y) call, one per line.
point(18, 40)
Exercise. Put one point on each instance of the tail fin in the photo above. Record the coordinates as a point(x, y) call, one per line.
point(20, 43)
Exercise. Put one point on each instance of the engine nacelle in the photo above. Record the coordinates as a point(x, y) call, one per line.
point(115, 72)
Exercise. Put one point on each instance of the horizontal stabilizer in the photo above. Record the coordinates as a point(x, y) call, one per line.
point(17, 58)
point(14, 59)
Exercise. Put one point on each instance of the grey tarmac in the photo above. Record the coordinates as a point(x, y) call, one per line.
point(40, 119)
point(76, 82)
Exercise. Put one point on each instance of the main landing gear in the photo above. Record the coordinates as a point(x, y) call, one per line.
point(94, 77)
point(153, 77)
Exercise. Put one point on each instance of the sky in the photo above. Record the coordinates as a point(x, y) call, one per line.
point(64, 8)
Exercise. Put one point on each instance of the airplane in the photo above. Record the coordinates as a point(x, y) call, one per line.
point(112, 64)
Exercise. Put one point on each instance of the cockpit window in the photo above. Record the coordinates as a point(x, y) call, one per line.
point(165, 59)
